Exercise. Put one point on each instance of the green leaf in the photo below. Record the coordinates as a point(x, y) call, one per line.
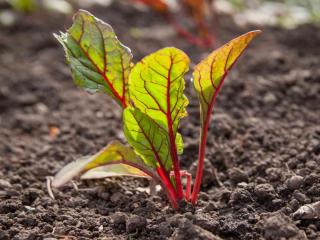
point(149, 141)
point(209, 74)
point(156, 87)
point(98, 61)
point(23, 5)
point(116, 160)
point(114, 170)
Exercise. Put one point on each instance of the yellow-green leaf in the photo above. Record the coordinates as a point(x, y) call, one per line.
point(156, 86)
point(209, 74)
point(113, 154)
point(114, 170)
point(147, 138)
point(98, 60)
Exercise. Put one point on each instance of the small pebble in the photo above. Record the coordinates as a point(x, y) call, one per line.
point(294, 182)
point(4, 184)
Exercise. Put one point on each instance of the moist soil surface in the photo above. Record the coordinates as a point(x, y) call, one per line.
point(263, 150)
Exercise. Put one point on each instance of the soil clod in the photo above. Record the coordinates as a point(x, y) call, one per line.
point(135, 223)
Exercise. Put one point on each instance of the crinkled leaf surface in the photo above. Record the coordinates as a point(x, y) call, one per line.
point(149, 141)
point(98, 61)
point(113, 154)
point(156, 86)
point(209, 74)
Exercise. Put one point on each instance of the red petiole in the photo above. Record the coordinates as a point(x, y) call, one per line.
point(202, 147)
point(168, 187)
point(204, 42)
point(186, 174)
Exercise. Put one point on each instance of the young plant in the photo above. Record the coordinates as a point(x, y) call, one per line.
point(151, 96)
point(196, 9)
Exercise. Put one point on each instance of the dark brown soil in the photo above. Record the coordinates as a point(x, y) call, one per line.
point(265, 134)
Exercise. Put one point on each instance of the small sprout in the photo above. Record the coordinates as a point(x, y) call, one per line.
point(151, 95)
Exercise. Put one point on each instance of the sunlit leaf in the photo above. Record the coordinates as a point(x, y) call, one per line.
point(98, 61)
point(113, 154)
point(114, 170)
point(149, 141)
point(156, 87)
point(209, 74)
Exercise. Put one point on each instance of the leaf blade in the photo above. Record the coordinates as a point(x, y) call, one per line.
point(113, 154)
point(148, 140)
point(113, 170)
point(157, 85)
point(209, 74)
point(98, 60)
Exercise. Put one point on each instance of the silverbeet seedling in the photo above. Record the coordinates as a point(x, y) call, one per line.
point(151, 96)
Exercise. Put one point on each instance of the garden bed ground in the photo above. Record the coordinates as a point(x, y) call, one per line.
point(266, 129)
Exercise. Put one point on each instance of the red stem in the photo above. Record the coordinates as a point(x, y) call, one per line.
point(208, 40)
point(184, 33)
point(169, 189)
point(202, 152)
point(188, 187)
point(172, 139)
point(176, 166)
point(205, 127)
point(202, 147)
point(188, 184)
point(161, 170)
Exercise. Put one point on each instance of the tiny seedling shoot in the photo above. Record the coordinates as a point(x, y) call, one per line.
point(150, 95)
